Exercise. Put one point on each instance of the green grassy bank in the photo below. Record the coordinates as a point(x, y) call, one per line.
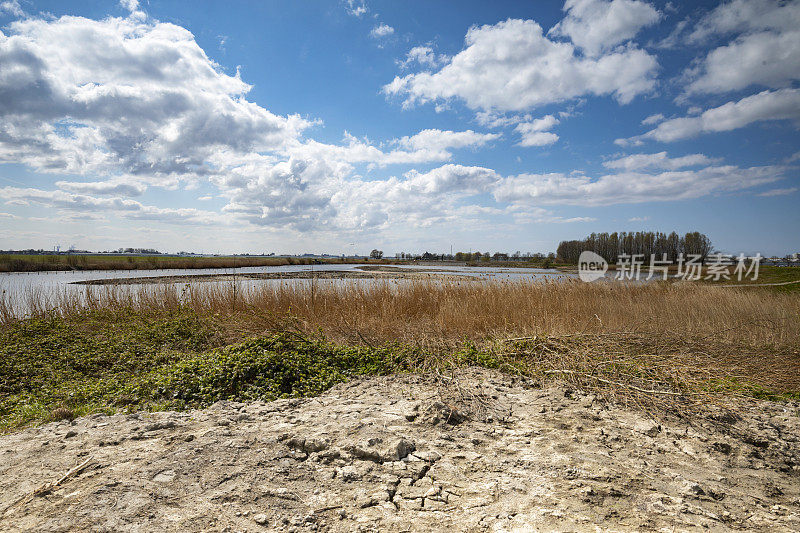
point(55, 367)
point(41, 263)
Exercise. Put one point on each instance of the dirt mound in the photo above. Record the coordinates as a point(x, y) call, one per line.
point(482, 452)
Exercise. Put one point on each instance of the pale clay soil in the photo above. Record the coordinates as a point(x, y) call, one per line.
point(381, 455)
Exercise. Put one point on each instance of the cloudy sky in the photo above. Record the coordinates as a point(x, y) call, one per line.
point(342, 126)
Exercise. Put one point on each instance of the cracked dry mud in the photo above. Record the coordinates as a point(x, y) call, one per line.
point(399, 454)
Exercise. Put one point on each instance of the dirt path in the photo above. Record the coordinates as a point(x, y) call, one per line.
point(763, 284)
point(398, 454)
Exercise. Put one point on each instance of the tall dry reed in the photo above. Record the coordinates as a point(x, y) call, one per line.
point(642, 343)
point(415, 311)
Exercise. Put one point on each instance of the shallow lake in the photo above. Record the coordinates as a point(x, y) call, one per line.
point(17, 286)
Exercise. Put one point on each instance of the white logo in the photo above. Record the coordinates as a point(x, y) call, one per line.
point(591, 266)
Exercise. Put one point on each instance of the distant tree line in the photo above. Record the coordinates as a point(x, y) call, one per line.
point(474, 257)
point(611, 245)
point(40, 251)
point(427, 256)
point(149, 251)
point(471, 257)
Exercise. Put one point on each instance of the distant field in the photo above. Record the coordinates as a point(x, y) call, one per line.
point(772, 278)
point(775, 278)
point(35, 263)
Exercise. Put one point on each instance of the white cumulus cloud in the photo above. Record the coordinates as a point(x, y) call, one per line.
point(783, 104)
point(513, 66)
point(535, 133)
point(104, 188)
point(653, 119)
point(433, 139)
point(381, 30)
point(423, 56)
point(631, 186)
point(746, 16)
point(658, 160)
point(356, 8)
point(123, 96)
point(598, 25)
point(11, 7)
point(765, 50)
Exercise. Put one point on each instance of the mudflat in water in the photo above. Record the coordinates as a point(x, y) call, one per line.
point(59, 279)
point(367, 273)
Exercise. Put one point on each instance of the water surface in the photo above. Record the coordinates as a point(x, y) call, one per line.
point(18, 286)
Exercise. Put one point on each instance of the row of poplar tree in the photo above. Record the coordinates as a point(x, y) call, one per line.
point(648, 243)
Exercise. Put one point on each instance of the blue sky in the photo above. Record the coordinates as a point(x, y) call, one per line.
point(339, 127)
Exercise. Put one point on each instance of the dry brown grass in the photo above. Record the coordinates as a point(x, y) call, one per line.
point(638, 340)
point(679, 373)
point(422, 311)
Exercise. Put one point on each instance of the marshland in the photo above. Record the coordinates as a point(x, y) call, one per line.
point(675, 346)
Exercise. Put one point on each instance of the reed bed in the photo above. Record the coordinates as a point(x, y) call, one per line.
point(676, 346)
point(423, 310)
